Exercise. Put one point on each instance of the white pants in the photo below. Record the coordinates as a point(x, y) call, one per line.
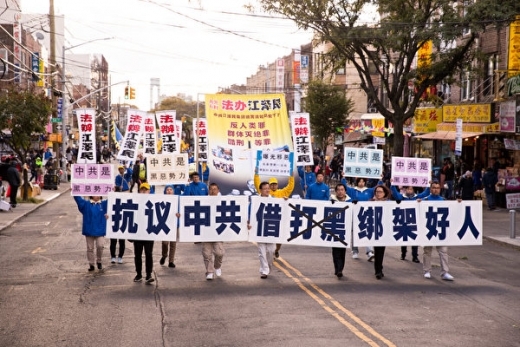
point(266, 254)
point(443, 255)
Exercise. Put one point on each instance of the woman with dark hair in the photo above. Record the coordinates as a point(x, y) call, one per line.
point(381, 193)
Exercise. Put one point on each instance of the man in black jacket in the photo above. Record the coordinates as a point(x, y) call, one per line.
point(13, 177)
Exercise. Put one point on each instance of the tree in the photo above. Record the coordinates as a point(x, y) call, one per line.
point(328, 109)
point(23, 114)
point(388, 46)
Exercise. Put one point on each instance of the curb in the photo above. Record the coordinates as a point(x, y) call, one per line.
point(36, 206)
point(511, 244)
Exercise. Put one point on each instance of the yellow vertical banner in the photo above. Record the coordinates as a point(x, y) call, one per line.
point(238, 126)
point(513, 63)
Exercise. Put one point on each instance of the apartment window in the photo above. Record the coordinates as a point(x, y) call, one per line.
point(489, 74)
point(340, 71)
point(465, 5)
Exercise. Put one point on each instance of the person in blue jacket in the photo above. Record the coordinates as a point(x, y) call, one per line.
point(121, 183)
point(409, 195)
point(307, 177)
point(196, 187)
point(94, 225)
point(360, 192)
point(318, 190)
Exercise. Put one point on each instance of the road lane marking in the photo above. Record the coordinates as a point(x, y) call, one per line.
point(327, 308)
point(39, 250)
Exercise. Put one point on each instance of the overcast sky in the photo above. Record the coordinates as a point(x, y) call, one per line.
point(193, 47)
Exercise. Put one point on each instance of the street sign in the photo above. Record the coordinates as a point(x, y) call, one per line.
point(56, 120)
point(58, 127)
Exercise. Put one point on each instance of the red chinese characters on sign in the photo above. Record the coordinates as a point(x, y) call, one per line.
point(149, 125)
point(166, 118)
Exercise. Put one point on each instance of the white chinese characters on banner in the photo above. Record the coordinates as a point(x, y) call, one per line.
point(200, 134)
point(87, 135)
point(167, 127)
point(213, 218)
point(414, 172)
point(134, 131)
point(274, 163)
point(301, 134)
point(167, 168)
point(363, 162)
point(142, 217)
point(92, 179)
point(277, 220)
point(150, 135)
point(425, 223)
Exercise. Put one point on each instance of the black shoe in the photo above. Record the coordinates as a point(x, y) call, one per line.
point(171, 264)
point(162, 261)
point(263, 276)
point(99, 266)
point(149, 279)
point(138, 278)
point(379, 275)
point(339, 274)
point(276, 254)
point(13, 206)
point(91, 268)
point(403, 256)
point(416, 260)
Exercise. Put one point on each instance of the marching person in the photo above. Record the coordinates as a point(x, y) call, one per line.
point(307, 177)
point(13, 178)
point(409, 195)
point(170, 246)
point(213, 252)
point(121, 185)
point(147, 246)
point(381, 193)
point(435, 195)
point(339, 253)
point(265, 250)
point(275, 192)
point(94, 224)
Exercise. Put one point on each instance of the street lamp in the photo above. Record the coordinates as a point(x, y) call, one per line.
point(64, 106)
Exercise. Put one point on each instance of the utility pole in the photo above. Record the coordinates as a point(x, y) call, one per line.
point(52, 62)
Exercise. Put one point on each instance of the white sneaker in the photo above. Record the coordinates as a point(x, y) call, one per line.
point(218, 272)
point(209, 276)
point(355, 256)
point(370, 256)
point(120, 260)
point(447, 277)
point(113, 260)
point(427, 275)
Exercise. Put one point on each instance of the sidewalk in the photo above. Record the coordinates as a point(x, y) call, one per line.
point(497, 224)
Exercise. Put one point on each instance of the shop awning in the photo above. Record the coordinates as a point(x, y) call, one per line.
point(445, 135)
point(371, 116)
point(354, 136)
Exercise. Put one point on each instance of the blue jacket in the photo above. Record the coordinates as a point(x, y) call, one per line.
point(199, 189)
point(401, 197)
point(94, 221)
point(318, 191)
point(306, 178)
point(434, 198)
point(121, 182)
point(128, 174)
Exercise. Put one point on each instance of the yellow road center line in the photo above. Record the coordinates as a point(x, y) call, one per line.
point(351, 315)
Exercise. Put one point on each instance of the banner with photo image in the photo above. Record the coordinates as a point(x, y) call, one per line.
point(237, 126)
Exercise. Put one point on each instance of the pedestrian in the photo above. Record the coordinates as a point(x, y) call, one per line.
point(307, 177)
point(170, 246)
point(435, 195)
point(339, 253)
point(489, 181)
point(135, 176)
point(276, 192)
point(381, 193)
point(360, 192)
point(95, 216)
point(318, 190)
point(409, 195)
point(196, 187)
point(466, 186)
point(121, 185)
point(265, 250)
point(13, 178)
point(213, 252)
point(147, 246)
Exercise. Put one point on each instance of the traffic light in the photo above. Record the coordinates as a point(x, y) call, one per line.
point(126, 92)
point(132, 93)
